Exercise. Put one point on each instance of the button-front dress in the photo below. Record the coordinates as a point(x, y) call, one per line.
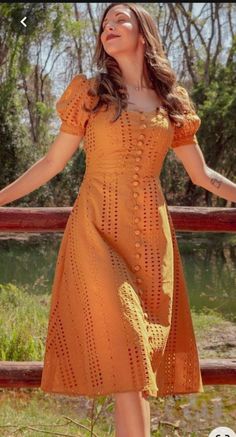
point(120, 316)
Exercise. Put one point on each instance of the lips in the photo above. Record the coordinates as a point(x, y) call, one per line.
point(112, 36)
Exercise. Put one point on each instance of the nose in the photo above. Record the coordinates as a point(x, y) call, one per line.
point(110, 26)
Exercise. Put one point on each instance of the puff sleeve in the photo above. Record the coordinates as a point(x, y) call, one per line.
point(186, 134)
point(70, 104)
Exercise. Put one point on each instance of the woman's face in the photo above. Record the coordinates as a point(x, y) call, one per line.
point(121, 21)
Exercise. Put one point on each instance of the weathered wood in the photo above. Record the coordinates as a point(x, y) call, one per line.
point(185, 218)
point(33, 219)
point(20, 373)
point(23, 374)
point(218, 371)
point(203, 219)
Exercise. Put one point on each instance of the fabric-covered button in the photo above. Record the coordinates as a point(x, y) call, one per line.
point(141, 137)
point(135, 176)
point(135, 194)
point(136, 207)
point(137, 168)
point(138, 255)
point(138, 159)
point(137, 231)
point(135, 183)
point(137, 267)
point(139, 152)
point(140, 143)
point(136, 220)
point(143, 126)
point(137, 244)
point(138, 280)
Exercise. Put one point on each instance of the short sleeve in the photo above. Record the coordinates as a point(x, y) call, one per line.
point(70, 106)
point(186, 134)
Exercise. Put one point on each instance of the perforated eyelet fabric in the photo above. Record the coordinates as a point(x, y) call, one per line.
point(119, 316)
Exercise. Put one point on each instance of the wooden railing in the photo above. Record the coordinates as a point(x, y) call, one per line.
point(190, 219)
point(185, 218)
point(28, 373)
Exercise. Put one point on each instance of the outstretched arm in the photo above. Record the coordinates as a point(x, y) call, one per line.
point(200, 174)
point(43, 170)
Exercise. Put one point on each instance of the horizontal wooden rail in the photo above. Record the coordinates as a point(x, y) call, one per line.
point(185, 218)
point(15, 374)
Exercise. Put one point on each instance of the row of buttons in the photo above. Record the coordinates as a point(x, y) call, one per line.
point(136, 183)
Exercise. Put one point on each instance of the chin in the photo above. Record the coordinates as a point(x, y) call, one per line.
point(111, 52)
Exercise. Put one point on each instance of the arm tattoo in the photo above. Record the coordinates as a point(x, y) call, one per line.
point(216, 182)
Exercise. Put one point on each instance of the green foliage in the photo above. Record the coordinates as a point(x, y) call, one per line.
point(217, 110)
point(206, 319)
point(27, 112)
point(12, 133)
point(216, 106)
point(43, 110)
point(73, 27)
point(23, 321)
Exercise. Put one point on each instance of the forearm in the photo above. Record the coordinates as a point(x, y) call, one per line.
point(218, 184)
point(37, 175)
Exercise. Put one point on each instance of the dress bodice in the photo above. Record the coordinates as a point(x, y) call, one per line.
point(134, 137)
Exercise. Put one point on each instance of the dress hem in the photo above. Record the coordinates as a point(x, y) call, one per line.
point(145, 393)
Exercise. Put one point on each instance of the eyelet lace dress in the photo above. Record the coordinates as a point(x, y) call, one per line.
point(119, 314)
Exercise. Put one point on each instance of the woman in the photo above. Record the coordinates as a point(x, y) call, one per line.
point(120, 320)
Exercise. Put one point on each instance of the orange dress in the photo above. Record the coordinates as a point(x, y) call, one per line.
point(120, 317)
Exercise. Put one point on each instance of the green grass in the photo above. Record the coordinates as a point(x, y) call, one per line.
point(34, 412)
point(23, 321)
point(205, 320)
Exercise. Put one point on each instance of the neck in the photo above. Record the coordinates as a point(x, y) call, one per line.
point(134, 71)
point(138, 88)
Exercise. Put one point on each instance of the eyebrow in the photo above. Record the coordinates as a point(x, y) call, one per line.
point(118, 13)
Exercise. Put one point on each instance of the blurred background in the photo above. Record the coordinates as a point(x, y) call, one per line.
point(37, 62)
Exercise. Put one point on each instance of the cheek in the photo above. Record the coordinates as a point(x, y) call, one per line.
point(102, 38)
point(131, 33)
point(129, 29)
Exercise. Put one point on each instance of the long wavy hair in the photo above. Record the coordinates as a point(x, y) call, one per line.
point(109, 87)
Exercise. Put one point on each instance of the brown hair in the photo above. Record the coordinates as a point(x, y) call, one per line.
point(109, 87)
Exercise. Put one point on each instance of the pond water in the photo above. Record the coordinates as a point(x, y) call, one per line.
point(29, 260)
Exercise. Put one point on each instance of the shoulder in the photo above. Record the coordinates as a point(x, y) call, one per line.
point(78, 82)
point(81, 80)
point(81, 83)
point(77, 88)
